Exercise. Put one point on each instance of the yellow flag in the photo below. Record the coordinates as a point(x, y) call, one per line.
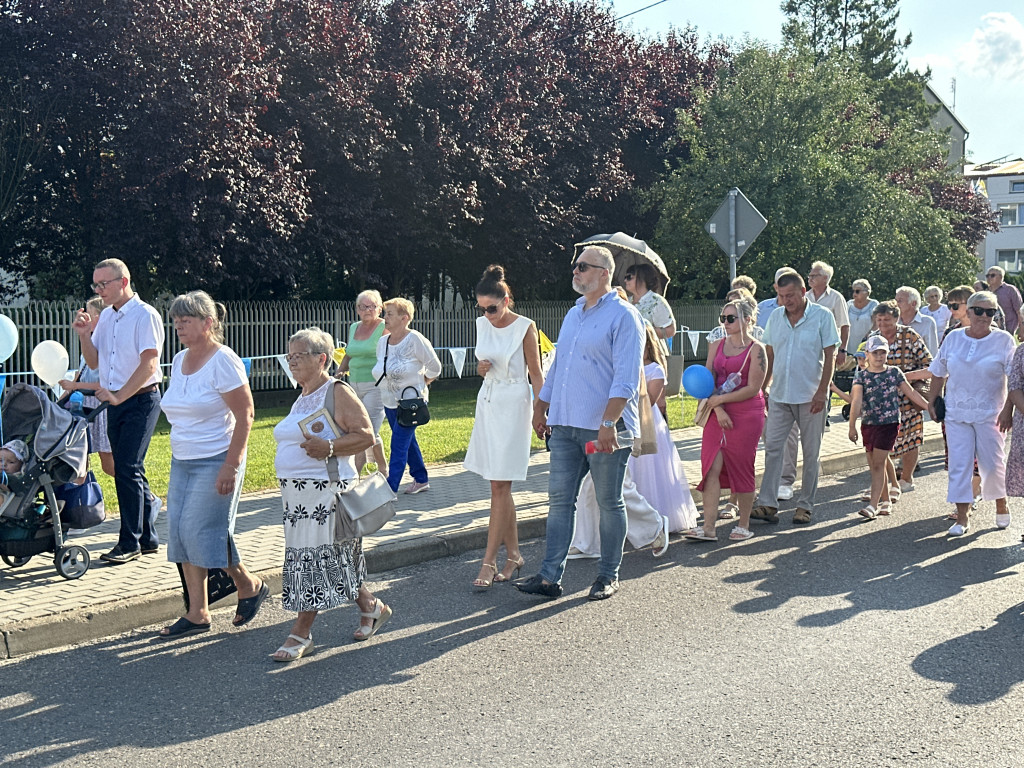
point(545, 343)
point(339, 355)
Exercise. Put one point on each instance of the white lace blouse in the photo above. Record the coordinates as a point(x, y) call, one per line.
point(976, 371)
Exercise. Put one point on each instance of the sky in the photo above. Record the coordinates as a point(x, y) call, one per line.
point(977, 42)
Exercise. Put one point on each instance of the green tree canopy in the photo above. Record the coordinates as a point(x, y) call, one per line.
point(806, 142)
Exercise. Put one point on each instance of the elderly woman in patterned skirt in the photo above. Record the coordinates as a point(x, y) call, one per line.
point(320, 572)
point(909, 353)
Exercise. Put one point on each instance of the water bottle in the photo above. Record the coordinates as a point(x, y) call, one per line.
point(731, 382)
point(75, 404)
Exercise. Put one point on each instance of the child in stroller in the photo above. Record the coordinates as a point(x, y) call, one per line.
point(12, 458)
point(36, 509)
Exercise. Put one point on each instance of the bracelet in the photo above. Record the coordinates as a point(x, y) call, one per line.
point(330, 450)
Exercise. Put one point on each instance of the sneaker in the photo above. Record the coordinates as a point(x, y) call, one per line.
point(959, 530)
point(785, 492)
point(579, 554)
point(603, 588)
point(117, 556)
point(660, 544)
point(906, 487)
point(415, 487)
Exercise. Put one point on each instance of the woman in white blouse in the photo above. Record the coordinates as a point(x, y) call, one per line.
point(209, 406)
point(406, 365)
point(973, 364)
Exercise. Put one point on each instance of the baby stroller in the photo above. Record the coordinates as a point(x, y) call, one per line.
point(31, 512)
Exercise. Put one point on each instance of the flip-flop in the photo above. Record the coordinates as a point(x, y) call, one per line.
point(740, 534)
point(182, 628)
point(699, 535)
point(248, 607)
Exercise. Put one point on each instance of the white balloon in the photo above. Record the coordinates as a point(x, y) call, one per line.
point(50, 361)
point(8, 338)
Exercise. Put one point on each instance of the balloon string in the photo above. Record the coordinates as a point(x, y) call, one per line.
point(3, 381)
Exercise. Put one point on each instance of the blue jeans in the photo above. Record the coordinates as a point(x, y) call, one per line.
point(568, 466)
point(404, 450)
point(130, 426)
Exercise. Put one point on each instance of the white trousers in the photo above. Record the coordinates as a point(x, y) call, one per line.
point(967, 441)
point(643, 522)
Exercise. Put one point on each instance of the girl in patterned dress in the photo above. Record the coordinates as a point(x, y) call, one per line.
point(876, 400)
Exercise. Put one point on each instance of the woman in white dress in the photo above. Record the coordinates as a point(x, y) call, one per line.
point(660, 476)
point(507, 349)
point(654, 490)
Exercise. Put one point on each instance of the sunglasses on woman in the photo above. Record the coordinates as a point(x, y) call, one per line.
point(727, 318)
point(954, 305)
point(979, 311)
point(492, 309)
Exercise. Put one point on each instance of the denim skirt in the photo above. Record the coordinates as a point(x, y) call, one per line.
point(201, 522)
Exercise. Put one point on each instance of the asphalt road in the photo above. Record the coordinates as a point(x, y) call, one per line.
point(843, 643)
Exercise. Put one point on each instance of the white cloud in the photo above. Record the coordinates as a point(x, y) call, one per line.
point(996, 49)
point(937, 62)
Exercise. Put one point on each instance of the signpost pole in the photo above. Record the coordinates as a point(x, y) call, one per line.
point(732, 234)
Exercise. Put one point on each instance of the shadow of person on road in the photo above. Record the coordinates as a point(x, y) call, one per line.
point(983, 665)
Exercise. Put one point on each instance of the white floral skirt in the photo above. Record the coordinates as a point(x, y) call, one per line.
point(319, 572)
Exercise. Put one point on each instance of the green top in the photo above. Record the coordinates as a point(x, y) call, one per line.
point(362, 355)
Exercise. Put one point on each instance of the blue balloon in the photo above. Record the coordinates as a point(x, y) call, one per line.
point(8, 338)
point(698, 381)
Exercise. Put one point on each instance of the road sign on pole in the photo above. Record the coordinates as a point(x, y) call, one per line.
point(734, 226)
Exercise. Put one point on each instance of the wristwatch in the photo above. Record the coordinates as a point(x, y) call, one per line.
point(609, 424)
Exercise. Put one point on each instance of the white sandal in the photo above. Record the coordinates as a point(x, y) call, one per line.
point(868, 511)
point(379, 616)
point(884, 507)
point(295, 652)
point(729, 512)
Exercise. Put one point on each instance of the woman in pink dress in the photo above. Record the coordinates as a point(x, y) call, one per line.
point(731, 433)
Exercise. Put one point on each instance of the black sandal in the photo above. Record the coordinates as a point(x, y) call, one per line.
point(183, 627)
point(248, 607)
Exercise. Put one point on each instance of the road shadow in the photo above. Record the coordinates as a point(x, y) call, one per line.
point(983, 665)
point(137, 690)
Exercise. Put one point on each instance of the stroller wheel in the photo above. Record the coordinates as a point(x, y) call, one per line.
point(15, 562)
point(71, 562)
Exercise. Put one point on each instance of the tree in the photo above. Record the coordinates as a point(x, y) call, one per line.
point(155, 153)
point(837, 181)
point(865, 31)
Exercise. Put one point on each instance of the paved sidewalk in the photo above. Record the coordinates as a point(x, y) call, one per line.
point(40, 610)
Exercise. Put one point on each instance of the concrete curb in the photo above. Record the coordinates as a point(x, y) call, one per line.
point(81, 626)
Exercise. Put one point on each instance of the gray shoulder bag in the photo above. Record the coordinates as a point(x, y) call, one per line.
point(365, 505)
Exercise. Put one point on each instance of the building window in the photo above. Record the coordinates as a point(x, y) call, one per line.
point(1008, 215)
point(1017, 186)
point(1010, 260)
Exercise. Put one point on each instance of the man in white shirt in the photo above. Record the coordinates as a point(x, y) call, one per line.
point(125, 348)
point(820, 293)
point(909, 301)
point(801, 344)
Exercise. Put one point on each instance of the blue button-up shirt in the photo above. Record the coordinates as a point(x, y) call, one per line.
point(765, 309)
point(598, 357)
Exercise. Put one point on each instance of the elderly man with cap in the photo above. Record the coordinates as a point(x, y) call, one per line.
point(769, 305)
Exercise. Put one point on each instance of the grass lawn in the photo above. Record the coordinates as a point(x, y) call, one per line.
point(443, 440)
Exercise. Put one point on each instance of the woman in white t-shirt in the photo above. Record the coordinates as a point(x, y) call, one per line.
point(209, 406)
point(406, 365)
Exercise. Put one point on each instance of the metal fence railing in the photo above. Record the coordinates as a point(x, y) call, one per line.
point(259, 329)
